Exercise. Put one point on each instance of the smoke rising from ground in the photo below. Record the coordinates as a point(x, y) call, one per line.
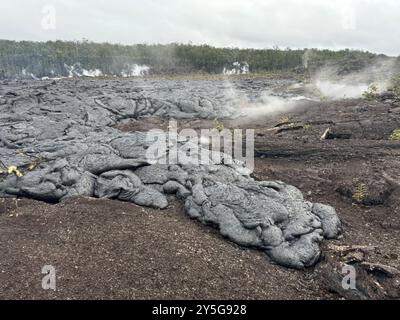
point(334, 86)
point(265, 103)
point(326, 84)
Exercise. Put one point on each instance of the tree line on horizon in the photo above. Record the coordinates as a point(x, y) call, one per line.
point(45, 59)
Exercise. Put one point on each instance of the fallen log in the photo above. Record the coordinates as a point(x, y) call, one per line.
point(330, 135)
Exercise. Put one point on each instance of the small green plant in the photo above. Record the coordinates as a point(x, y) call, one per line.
point(37, 161)
point(395, 88)
point(284, 120)
point(218, 125)
point(19, 172)
point(372, 93)
point(318, 94)
point(9, 170)
point(360, 193)
point(307, 126)
point(322, 97)
point(395, 136)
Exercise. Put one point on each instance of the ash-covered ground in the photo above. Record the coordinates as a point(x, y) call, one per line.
point(73, 141)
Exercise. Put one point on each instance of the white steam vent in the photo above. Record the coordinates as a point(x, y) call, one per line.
point(76, 70)
point(238, 68)
point(135, 71)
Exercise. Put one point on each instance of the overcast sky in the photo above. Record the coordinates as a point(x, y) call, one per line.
point(372, 25)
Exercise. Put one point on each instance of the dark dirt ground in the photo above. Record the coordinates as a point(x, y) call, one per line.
point(105, 249)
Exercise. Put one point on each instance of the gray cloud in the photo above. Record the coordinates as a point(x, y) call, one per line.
point(361, 24)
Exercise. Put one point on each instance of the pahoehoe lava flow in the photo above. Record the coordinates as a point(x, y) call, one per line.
point(67, 129)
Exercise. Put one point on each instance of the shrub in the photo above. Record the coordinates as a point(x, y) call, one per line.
point(396, 86)
point(371, 93)
point(284, 120)
point(218, 125)
point(395, 136)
